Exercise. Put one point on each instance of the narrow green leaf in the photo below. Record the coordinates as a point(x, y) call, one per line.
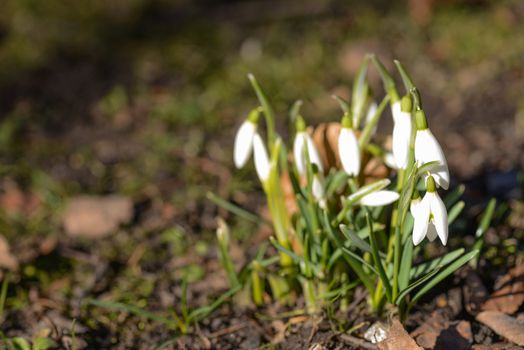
point(359, 93)
point(112, 305)
point(405, 264)
point(335, 183)
point(357, 268)
point(268, 111)
point(365, 190)
point(3, 293)
point(423, 268)
point(415, 284)
point(378, 262)
point(360, 259)
point(427, 167)
point(298, 259)
point(445, 273)
point(235, 209)
point(387, 80)
point(486, 218)
point(455, 212)
point(406, 79)
point(203, 312)
point(357, 241)
point(344, 105)
point(295, 111)
point(20, 343)
point(368, 128)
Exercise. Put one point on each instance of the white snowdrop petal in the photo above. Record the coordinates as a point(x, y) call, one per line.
point(313, 153)
point(401, 135)
point(432, 231)
point(379, 198)
point(413, 207)
point(349, 151)
point(440, 216)
point(298, 152)
point(243, 143)
point(420, 226)
point(261, 158)
point(317, 188)
point(427, 149)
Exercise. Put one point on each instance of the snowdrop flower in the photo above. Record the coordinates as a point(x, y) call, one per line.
point(348, 148)
point(431, 217)
point(303, 140)
point(427, 149)
point(379, 198)
point(401, 131)
point(244, 139)
point(261, 158)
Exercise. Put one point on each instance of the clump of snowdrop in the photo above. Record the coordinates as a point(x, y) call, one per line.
point(348, 227)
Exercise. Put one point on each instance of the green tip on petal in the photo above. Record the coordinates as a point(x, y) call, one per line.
point(314, 167)
point(430, 184)
point(416, 195)
point(300, 124)
point(347, 121)
point(420, 120)
point(254, 115)
point(406, 104)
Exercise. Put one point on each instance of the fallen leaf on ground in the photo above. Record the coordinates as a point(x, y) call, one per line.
point(504, 325)
point(7, 260)
point(509, 292)
point(96, 216)
point(439, 333)
point(398, 339)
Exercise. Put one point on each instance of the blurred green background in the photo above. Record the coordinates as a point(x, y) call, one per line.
point(142, 98)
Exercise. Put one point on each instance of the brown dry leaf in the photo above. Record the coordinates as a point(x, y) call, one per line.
point(509, 292)
point(325, 137)
point(96, 216)
point(375, 170)
point(7, 260)
point(504, 325)
point(439, 333)
point(398, 339)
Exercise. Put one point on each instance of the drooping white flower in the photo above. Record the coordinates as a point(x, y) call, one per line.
point(244, 140)
point(302, 140)
point(401, 135)
point(430, 215)
point(348, 148)
point(261, 158)
point(379, 198)
point(427, 149)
